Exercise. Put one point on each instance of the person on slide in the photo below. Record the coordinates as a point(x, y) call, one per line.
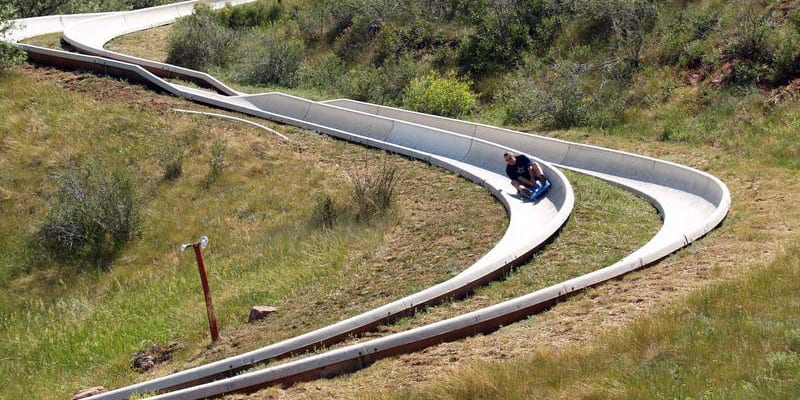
point(526, 175)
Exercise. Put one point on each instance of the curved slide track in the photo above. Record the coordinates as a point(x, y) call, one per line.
point(690, 201)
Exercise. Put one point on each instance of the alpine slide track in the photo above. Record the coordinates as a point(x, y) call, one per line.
point(691, 203)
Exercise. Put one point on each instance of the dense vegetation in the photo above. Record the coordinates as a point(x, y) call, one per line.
point(35, 8)
point(8, 55)
point(555, 63)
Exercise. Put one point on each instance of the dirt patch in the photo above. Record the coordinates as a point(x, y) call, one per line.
point(102, 88)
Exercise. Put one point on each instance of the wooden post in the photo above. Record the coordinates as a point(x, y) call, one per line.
point(212, 317)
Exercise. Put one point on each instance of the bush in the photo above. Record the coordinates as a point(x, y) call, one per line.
point(564, 95)
point(251, 15)
point(749, 38)
point(325, 213)
point(681, 36)
point(217, 162)
point(497, 44)
point(92, 215)
point(9, 55)
point(446, 96)
point(383, 85)
point(785, 56)
point(171, 160)
point(272, 58)
point(199, 41)
point(373, 191)
point(621, 24)
point(355, 39)
point(313, 22)
point(325, 74)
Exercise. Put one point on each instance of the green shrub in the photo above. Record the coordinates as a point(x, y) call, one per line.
point(497, 44)
point(171, 160)
point(313, 22)
point(355, 39)
point(9, 55)
point(749, 37)
point(441, 95)
point(199, 41)
point(325, 74)
point(794, 21)
point(385, 84)
point(271, 58)
point(93, 214)
point(622, 25)
point(564, 95)
point(785, 56)
point(217, 162)
point(251, 15)
point(681, 36)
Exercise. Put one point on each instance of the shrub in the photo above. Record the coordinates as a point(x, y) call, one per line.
point(325, 213)
point(324, 74)
point(385, 84)
point(794, 21)
point(749, 38)
point(9, 55)
point(785, 55)
point(497, 44)
point(440, 95)
point(373, 191)
point(199, 41)
point(313, 22)
point(272, 58)
point(564, 95)
point(217, 162)
point(171, 160)
point(354, 39)
point(93, 214)
point(251, 15)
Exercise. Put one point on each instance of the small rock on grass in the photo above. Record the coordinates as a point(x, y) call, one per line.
point(89, 392)
point(260, 312)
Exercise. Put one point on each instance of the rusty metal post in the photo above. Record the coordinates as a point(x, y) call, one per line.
point(201, 266)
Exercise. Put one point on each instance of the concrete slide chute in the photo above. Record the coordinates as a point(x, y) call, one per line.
point(690, 201)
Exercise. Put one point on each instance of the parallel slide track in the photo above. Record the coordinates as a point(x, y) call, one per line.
point(691, 202)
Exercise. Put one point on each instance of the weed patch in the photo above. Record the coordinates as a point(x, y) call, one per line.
point(94, 213)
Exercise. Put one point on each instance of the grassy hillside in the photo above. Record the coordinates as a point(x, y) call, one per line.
point(710, 84)
point(737, 340)
point(71, 323)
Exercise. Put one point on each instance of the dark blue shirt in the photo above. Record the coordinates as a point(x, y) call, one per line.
point(520, 168)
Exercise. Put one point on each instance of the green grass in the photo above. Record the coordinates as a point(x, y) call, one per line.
point(606, 225)
point(735, 340)
point(735, 120)
point(69, 326)
point(50, 40)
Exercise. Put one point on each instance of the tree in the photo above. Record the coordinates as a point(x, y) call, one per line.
point(35, 8)
point(9, 55)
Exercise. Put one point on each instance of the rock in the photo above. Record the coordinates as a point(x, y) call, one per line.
point(260, 312)
point(152, 355)
point(89, 392)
